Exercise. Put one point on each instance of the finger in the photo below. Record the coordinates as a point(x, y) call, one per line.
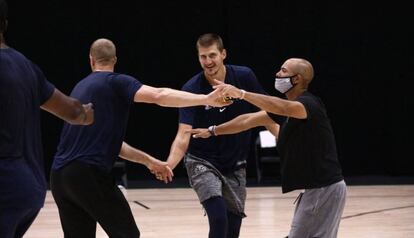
point(218, 81)
point(200, 135)
point(170, 171)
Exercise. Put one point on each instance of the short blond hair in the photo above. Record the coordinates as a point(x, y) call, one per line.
point(103, 51)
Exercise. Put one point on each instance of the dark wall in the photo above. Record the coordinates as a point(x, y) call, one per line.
point(362, 54)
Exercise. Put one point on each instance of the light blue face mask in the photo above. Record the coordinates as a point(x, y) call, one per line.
point(284, 84)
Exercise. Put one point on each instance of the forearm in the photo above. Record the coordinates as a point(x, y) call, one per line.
point(174, 98)
point(268, 103)
point(134, 155)
point(233, 126)
point(177, 152)
point(66, 108)
point(77, 115)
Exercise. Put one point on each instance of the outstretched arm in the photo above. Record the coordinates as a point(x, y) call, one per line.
point(238, 124)
point(268, 103)
point(138, 156)
point(168, 97)
point(69, 109)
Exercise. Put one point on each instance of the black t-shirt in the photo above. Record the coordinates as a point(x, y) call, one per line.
point(307, 148)
point(222, 151)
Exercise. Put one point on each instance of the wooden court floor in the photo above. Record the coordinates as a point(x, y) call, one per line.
point(371, 212)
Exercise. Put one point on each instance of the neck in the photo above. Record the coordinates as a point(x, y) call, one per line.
point(220, 76)
point(2, 43)
point(107, 68)
point(293, 94)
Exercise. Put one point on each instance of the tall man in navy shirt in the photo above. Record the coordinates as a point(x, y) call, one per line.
point(306, 144)
point(23, 91)
point(81, 182)
point(216, 167)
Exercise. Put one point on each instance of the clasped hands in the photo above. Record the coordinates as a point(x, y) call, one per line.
point(223, 94)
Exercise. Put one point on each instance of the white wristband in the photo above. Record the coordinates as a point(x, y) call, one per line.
point(243, 93)
point(212, 130)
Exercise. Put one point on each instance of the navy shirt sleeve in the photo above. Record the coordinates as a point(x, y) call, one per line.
point(125, 86)
point(253, 83)
point(45, 88)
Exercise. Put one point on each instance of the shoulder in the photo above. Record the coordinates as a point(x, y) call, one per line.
point(124, 76)
point(193, 82)
point(311, 102)
point(241, 73)
point(240, 69)
point(21, 58)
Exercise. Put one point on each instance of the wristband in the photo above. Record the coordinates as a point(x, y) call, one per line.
point(243, 93)
point(212, 130)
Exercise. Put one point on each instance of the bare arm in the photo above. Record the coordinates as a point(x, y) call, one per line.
point(268, 103)
point(69, 109)
point(168, 97)
point(274, 129)
point(179, 146)
point(239, 124)
point(138, 156)
point(277, 105)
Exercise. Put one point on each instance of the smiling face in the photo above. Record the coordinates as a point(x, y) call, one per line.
point(211, 59)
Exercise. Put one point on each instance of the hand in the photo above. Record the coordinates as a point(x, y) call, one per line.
point(161, 170)
point(227, 90)
point(216, 99)
point(89, 114)
point(199, 132)
point(166, 176)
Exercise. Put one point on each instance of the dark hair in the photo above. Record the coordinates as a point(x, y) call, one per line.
point(209, 39)
point(3, 15)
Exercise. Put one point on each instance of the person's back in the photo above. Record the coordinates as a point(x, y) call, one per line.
point(24, 90)
point(81, 181)
point(98, 144)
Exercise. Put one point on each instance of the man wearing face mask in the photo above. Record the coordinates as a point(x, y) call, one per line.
point(306, 144)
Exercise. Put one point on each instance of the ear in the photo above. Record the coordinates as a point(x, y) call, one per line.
point(91, 61)
point(224, 53)
point(297, 78)
point(115, 60)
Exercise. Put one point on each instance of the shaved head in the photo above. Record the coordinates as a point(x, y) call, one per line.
point(103, 51)
point(302, 67)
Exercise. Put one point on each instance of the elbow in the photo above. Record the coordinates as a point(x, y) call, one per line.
point(161, 97)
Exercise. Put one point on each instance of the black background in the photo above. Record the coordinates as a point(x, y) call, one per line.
point(362, 54)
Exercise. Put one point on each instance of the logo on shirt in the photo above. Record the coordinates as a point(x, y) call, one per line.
point(210, 107)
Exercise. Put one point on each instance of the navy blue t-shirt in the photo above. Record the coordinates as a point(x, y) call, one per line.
point(98, 144)
point(222, 151)
point(23, 89)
